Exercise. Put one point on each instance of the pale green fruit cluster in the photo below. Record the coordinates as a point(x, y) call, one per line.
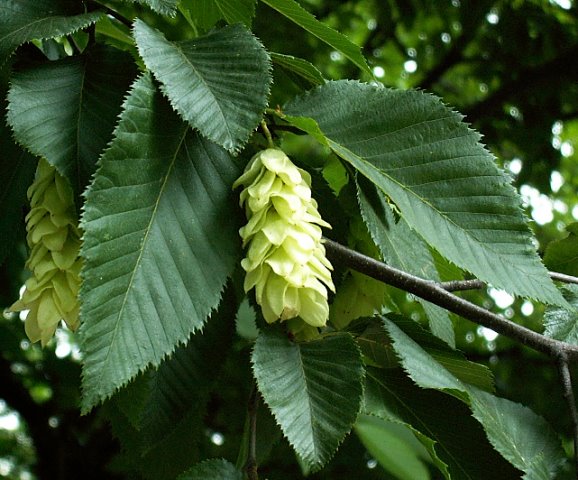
point(285, 262)
point(54, 239)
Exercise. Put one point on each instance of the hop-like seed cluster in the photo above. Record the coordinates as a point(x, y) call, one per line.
point(54, 240)
point(285, 260)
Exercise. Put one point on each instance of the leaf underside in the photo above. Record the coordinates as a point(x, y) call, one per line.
point(313, 389)
point(219, 83)
point(158, 245)
point(445, 183)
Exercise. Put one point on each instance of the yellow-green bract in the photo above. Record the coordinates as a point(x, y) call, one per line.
point(285, 260)
point(54, 240)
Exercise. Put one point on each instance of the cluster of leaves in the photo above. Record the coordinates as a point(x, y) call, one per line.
point(149, 109)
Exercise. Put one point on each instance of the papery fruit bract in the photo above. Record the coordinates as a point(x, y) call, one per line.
point(285, 260)
point(53, 236)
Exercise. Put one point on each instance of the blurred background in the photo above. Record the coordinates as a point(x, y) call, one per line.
point(511, 67)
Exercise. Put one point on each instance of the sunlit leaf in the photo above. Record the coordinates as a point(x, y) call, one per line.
point(159, 242)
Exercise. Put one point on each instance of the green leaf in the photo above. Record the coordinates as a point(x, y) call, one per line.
point(297, 14)
point(562, 255)
point(561, 323)
point(517, 433)
point(526, 440)
point(393, 446)
point(206, 13)
point(402, 248)
point(66, 110)
point(446, 185)
point(313, 389)
point(17, 169)
point(301, 70)
point(456, 443)
point(24, 20)
point(159, 242)
point(214, 468)
point(181, 384)
point(219, 83)
point(164, 7)
point(452, 360)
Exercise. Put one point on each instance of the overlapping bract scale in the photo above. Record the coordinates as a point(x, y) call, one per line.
point(53, 236)
point(285, 260)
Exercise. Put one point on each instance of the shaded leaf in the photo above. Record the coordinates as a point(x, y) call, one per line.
point(206, 13)
point(516, 432)
point(562, 255)
point(402, 248)
point(447, 187)
point(393, 446)
point(313, 389)
point(561, 323)
point(24, 20)
point(181, 384)
point(456, 443)
point(164, 7)
point(17, 169)
point(219, 83)
point(452, 360)
point(301, 70)
point(66, 110)
point(297, 14)
point(214, 468)
point(159, 243)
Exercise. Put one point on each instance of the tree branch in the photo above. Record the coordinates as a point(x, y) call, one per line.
point(251, 465)
point(435, 293)
point(568, 391)
point(458, 285)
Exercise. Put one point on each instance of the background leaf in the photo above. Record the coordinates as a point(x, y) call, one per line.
point(562, 255)
point(298, 69)
point(215, 468)
point(25, 20)
point(297, 14)
point(456, 443)
point(219, 83)
point(164, 7)
point(517, 433)
point(561, 323)
point(159, 242)
point(402, 248)
point(313, 389)
point(394, 447)
point(17, 169)
point(419, 153)
point(66, 110)
point(209, 12)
